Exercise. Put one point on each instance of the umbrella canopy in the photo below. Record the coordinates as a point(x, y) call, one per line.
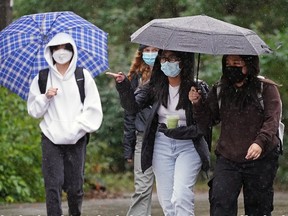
point(200, 34)
point(22, 47)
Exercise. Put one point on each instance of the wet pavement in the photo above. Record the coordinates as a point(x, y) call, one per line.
point(119, 207)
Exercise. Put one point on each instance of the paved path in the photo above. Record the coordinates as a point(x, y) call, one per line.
point(118, 207)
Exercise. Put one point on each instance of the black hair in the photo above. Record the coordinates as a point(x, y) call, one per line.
point(250, 88)
point(67, 46)
point(160, 81)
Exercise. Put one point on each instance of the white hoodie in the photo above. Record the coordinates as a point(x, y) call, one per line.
point(65, 118)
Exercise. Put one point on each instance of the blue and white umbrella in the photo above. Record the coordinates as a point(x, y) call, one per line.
point(22, 47)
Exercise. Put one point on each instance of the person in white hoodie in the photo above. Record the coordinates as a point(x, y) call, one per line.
point(66, 124)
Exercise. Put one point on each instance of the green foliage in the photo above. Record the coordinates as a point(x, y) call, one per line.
point(111, 131)
point(274, 67)
point(268, 15)
point(20, 161)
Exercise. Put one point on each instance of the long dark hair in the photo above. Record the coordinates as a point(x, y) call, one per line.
point(248, 92)
point(160, 83)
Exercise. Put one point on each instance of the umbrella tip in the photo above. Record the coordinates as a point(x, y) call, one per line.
point(266, 48)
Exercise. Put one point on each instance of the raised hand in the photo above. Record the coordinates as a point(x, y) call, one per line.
point(51, 92)
point(119, 77)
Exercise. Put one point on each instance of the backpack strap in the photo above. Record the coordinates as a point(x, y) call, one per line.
point(259, 94)
point(79, 76)
point(42, 80)
point(218, 89)
point(281, 127)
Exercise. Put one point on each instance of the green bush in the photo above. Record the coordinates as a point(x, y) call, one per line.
point(20, 161)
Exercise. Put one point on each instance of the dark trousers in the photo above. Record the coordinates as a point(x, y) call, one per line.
point(63, 169)
point(256, 178)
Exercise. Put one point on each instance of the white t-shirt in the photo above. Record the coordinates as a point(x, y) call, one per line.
point(171, 107)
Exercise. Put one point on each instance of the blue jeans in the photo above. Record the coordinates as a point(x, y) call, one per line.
point(143, 183)
point(176, 165)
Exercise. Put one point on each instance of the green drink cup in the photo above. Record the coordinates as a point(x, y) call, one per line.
point(172, 121)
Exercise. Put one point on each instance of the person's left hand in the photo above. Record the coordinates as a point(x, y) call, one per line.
point(119, 77)
point(253, 152)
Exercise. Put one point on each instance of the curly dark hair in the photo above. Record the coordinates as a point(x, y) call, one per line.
point(160, 81)
point(138, 66)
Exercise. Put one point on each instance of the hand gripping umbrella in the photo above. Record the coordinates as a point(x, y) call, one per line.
point(22, 44)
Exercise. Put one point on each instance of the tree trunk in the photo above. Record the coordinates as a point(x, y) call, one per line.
point(5, 13)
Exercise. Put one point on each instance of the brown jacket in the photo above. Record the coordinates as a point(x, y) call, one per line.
point(241, 128)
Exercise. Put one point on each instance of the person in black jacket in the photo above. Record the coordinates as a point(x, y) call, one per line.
point(176, 155)
point(134, 125)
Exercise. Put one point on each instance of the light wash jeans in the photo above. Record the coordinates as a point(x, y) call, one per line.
point(176, 165)
point(143, 183)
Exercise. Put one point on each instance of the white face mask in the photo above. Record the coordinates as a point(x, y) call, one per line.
point(62, 56)
point(170, 69)
point(149, 57)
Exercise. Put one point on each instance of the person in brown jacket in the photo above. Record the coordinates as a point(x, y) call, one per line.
point(246, 151)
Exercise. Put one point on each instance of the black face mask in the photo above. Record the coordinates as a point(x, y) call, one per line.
point(234, 74)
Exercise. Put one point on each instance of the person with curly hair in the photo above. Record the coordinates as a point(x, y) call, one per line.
point(138, 75)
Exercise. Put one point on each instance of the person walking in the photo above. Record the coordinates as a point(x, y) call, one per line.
point(247, 149)
point(176, 155)
point(138, 75)
point(66, 124)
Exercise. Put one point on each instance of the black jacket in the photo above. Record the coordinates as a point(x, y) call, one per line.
point(133, 123)
point(145, 98)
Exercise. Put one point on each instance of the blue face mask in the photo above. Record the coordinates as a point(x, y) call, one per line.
point(170, 69)
point(149, 57)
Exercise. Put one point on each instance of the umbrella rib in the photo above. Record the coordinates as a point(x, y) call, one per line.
point(167, 41)
point(42, 24)
point(213, 39)
point(252, 33)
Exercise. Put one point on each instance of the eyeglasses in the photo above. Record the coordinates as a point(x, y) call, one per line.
point(163, 59)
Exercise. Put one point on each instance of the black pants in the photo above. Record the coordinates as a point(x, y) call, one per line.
point(256, 178)
point(63, 168)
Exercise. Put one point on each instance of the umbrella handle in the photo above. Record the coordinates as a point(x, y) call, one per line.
point(197, 70)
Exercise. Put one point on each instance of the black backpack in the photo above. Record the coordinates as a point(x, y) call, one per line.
point(79, 76)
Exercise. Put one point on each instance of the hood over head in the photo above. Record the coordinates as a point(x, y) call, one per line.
point(58, 39)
